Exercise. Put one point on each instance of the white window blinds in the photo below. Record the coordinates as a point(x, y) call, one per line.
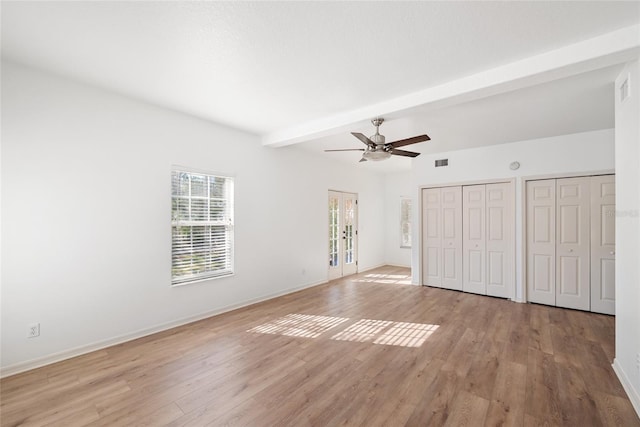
point(201, 226)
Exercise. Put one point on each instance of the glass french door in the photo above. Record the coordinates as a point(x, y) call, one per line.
point(343, 234)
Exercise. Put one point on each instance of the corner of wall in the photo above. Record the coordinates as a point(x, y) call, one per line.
point(627, 270)
point(633, 394)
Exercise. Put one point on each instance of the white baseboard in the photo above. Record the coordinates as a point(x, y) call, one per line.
point(364, 269)
point(398, 265)
point(99, 345)
point(384, 264)
point(634, 395)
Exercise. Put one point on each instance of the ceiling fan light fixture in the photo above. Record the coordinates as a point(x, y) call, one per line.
point(377, 147)
point(376, 155)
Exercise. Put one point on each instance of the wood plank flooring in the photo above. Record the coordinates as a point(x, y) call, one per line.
point(368, 350)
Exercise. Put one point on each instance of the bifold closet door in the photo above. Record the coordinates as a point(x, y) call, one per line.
point(467, 234)
point(431, 237)
point(573, 207)
point(473, 239)
point(499, 248)
point(442, 237)
point(451, 214)
point(487, 246)
point(571, 243)
point(603, 229)
point(541, 241)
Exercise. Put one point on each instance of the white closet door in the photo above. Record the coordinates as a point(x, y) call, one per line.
point(473, 245)
point(451, 214)
point(431, 237)
point(541, 241)
point(603, 220)
point(499, 252)
point(573, 207)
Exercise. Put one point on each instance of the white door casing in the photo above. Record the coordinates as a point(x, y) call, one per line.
point(603, 199)
point(474, 239)
point(541, 241)
point(573, 206)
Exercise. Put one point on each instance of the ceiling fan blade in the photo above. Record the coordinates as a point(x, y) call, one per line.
point(408, 141)
point(404, 153)
point(362, 160)
point(363, 138)
point(347, 149)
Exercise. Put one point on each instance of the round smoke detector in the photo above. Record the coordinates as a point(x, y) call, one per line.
point(514, 166)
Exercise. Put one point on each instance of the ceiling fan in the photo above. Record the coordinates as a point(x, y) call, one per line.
point(377, 149)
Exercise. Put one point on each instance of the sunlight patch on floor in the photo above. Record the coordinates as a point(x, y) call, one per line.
point(299, 325)
point(362, 331)
point(384, 332)
point(399, 279)
point(406, 334)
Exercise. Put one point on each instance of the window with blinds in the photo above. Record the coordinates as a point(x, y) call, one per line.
point(405, 222)
point(201, 226)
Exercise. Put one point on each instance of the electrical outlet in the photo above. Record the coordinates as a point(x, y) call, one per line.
point(33, 330)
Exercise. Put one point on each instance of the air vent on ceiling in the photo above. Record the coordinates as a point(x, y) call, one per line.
point(442, 162)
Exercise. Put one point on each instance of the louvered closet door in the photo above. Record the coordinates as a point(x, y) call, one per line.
point(573, 206)
point(603, 220)
point(499, 252)
point(431, 237)
point(451, 213)
point(473, 245)
point(541, 241)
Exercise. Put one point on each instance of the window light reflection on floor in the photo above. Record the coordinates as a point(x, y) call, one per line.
point(399, 279)
point(384, 332)
point(299, 325)
point(406, 334)
point(363, 330)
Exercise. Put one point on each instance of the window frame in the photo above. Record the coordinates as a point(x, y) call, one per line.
point(227, 221)
point(404, 200)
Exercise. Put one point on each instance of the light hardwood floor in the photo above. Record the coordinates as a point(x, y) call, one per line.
point(366, 350)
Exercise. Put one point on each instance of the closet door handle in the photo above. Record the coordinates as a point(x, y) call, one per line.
point(612, 252)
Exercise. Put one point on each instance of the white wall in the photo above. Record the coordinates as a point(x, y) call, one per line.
point(86, 216)
point(583, 152)
point(396, 185)
point(627, 135)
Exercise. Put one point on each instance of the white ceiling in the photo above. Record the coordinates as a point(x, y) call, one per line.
point(576, 104)
point(265, 67)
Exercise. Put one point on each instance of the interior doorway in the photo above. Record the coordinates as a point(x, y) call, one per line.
point(343, 234)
